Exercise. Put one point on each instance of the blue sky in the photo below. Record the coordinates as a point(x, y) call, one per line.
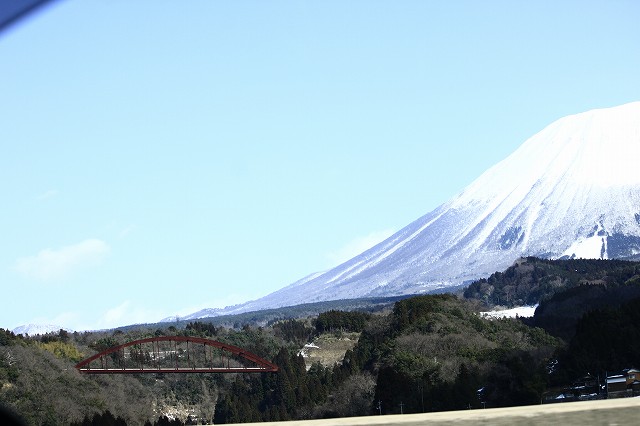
point(161, 157)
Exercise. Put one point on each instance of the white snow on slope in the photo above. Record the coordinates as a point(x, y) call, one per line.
point(588, 248)
point(35, 329)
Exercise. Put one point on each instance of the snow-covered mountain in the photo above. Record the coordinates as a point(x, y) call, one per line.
point(35, 329)
point(572, 190)
point(203, 313)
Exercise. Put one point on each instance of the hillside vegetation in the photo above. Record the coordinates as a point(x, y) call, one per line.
point(531, 280)
point(419, 354)
point(565, 289)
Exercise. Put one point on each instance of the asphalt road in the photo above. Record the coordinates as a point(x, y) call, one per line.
point(624, 411)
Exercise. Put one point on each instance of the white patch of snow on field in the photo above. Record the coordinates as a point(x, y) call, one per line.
point(520, 311)
point(304, 351)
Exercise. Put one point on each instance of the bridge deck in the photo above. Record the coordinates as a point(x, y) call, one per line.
point(173, 370)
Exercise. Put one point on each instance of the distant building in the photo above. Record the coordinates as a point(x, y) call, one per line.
point(586, 387)
point(616, 384)
point(633, 381)
point(627, 383)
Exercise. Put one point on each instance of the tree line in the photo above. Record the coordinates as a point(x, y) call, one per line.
point(428, 353)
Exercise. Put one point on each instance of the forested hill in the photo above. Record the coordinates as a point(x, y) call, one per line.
point(422, 353)
point(429, 353)
point(532, 280)
point(565, 289)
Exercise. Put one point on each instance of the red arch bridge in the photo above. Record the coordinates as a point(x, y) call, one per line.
point(175, 354)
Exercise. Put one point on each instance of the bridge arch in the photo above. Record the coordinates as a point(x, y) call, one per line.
point(174, 354)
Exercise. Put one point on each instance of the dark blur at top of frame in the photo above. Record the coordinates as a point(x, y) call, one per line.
point(14, 11)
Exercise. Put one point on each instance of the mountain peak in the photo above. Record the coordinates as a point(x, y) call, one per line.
point(571, 190)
